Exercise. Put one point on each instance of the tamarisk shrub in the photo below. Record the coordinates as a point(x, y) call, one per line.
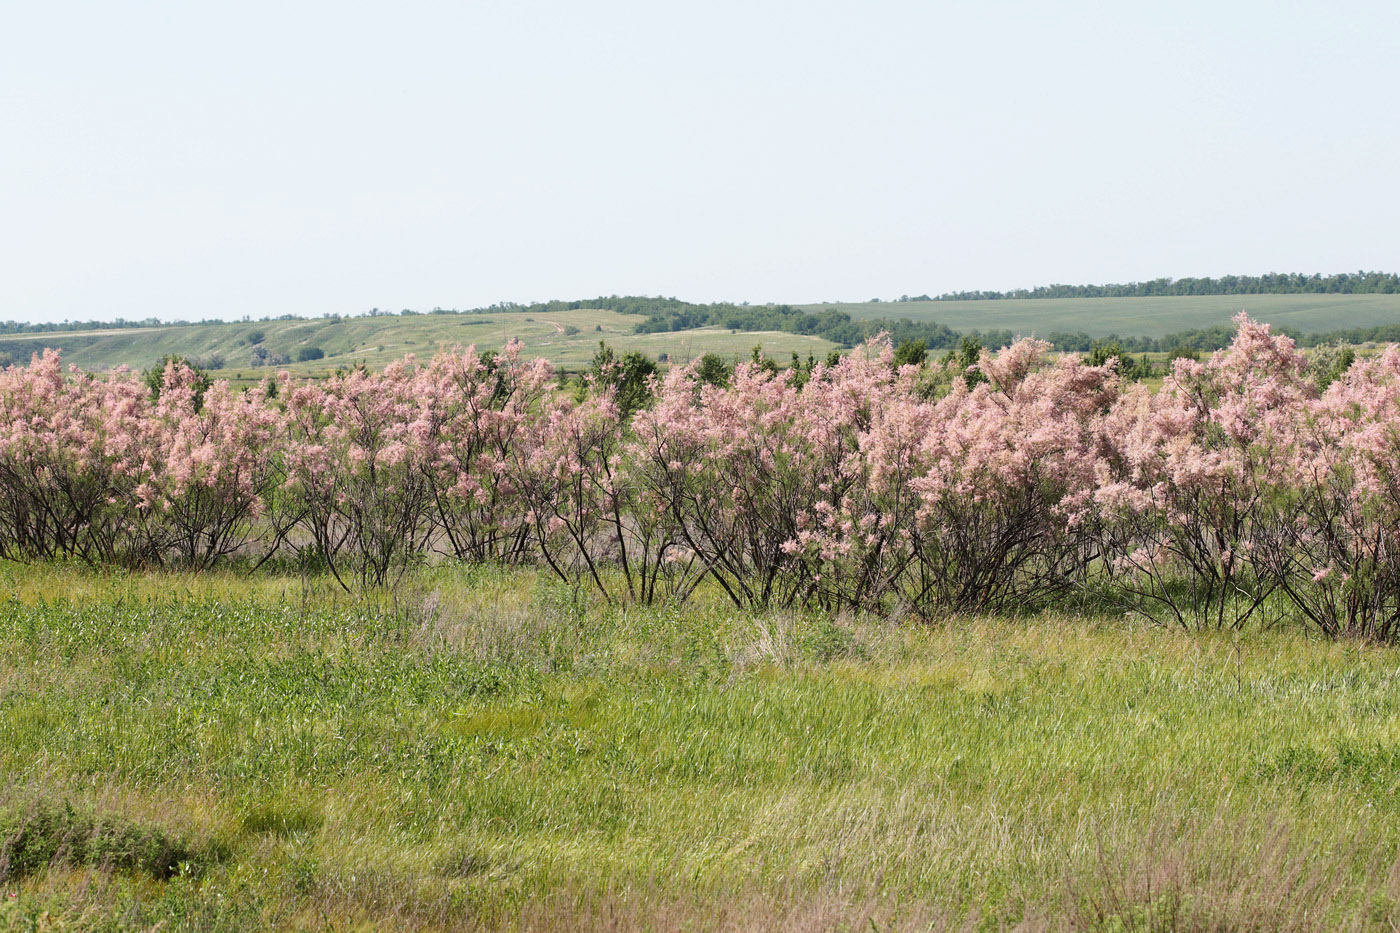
point(1246, 484)
point(739, 468)
point(590, 514)
point(862, 421)
point(359, 459)
point(1331, 541)
point(71, 449)
point(1186, 485)
point(567, 474)
point(482, 410)
point(211, 469)
point(1003, 477)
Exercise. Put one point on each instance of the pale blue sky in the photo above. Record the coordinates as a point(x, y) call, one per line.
point(192, 159)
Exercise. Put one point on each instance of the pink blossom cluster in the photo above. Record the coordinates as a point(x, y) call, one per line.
point(96, 469)
point(383, 468)
point(865, 487)
point(1235, 489)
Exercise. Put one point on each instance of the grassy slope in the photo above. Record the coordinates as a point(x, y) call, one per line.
point(480, 749)
point(1151, 317)
point(377, 341)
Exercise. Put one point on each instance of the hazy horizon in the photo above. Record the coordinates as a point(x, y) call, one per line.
point(187, 162)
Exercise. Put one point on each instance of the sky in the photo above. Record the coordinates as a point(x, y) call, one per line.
point(216, 160)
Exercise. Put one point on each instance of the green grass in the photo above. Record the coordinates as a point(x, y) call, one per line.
point(482, 748)
point(380, 340)
point(1131, 317)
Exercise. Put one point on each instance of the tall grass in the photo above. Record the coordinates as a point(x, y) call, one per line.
point(489, 749)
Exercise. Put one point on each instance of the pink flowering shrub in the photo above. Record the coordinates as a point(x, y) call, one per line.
point(743, 470)
point(1236, 489)
point(72, 451)
point(1331, 541)
point(482, 412)
point(1186, 483)
point(97, 470)
point(567, 473)
point(1003, 476)
point(211, 469)
point(862, 419)
point(852, 490)
point(358, 459)
point(591, 511)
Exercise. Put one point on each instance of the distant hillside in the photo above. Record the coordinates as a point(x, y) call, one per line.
point(1274, 283)
point(1138, 317)
point(567, 333)
point(248, 350)
point(655, 315)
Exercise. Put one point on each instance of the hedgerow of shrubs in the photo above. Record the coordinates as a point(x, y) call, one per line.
point(1242, 484)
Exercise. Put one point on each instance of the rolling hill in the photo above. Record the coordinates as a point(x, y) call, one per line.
point(1148, 317)
point(569, 337)
point(566, 338)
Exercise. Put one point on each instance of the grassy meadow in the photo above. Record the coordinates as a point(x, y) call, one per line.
point(1148, 317)
point(487, 749)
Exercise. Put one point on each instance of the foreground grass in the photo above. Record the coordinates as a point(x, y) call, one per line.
point(482, 749)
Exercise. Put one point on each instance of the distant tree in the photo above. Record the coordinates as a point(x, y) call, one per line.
point(630, 375)
point(1179, 352)
point(1134, 370)
point(965, 358)
point(762, 362)
point(307, 354)
point(911, 353)
point(1077, 341)
point(1273, 283)
point(711, 369)
point(1329, 363)
point(256, 337)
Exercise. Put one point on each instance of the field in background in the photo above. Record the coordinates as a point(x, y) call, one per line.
point(567, 338)
point(1147, 317)
point(482, 748)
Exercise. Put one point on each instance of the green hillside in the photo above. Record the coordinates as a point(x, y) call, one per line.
point(567, 338)
point(1148, 317)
